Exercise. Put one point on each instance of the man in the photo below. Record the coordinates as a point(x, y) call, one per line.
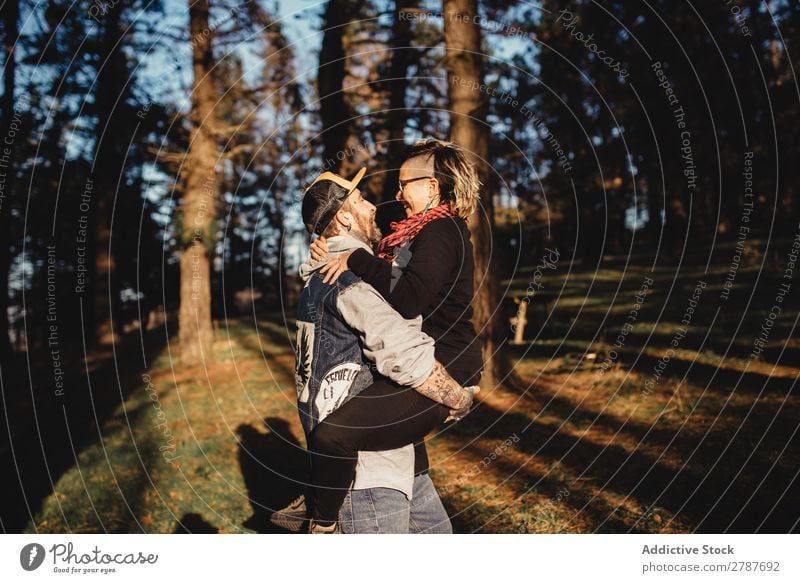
point(346, 332)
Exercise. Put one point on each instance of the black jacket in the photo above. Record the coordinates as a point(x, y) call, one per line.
point(437, 283)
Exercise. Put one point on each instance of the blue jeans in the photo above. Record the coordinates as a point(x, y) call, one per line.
point(388, 511)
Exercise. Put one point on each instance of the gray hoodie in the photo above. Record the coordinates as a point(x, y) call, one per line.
point(398, 348)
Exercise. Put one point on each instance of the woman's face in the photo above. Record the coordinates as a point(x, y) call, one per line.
point(419, 186)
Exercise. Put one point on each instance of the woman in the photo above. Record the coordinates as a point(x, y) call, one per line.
point(424, 267)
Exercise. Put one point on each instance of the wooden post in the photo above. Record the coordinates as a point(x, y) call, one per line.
point(520, 319)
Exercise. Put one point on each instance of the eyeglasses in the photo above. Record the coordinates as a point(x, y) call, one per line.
point(402, 183)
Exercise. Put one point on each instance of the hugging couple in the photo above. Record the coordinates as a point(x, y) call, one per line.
point(386, 350)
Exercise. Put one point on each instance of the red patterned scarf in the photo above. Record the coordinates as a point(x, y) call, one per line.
point(408, 228)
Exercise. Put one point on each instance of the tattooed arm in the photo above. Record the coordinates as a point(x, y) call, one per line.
point(400, 349)
point(442, 388)
point(459, 414)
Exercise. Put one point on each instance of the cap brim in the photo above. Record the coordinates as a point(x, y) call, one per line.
point(356, 179)
point(350, 185)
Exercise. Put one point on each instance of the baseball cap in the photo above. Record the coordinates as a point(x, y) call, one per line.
point(321, 204)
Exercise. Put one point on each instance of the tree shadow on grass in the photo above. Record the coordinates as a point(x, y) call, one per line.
point(45, 443)
point(709, 500)
point(194, 524)
point(275, 468)
point(489, 423)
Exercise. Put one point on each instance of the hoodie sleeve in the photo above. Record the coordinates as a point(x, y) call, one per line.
point(399, 348)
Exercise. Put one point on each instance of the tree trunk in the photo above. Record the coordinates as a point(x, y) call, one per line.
point(107, 170)
point(468, 107)
point(10, 19)
point(333, 109)
point(199, 199)
point(397, 85)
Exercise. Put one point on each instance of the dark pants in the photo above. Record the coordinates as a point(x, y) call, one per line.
point(383, 416)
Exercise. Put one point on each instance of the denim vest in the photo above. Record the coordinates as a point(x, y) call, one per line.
point(331, 367)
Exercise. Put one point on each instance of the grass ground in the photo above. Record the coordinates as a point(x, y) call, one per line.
point(590, 434)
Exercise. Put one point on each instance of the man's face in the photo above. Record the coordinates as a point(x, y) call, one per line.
point(363, 213)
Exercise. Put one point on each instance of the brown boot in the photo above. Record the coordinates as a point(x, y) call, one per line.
point(315, 528)
point(293, 517)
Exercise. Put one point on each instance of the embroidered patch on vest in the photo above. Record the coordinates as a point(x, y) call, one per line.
point(334, 387)
point(305, 352)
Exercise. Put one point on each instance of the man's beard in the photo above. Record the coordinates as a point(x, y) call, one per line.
point(376, 234)
point(368, 231)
